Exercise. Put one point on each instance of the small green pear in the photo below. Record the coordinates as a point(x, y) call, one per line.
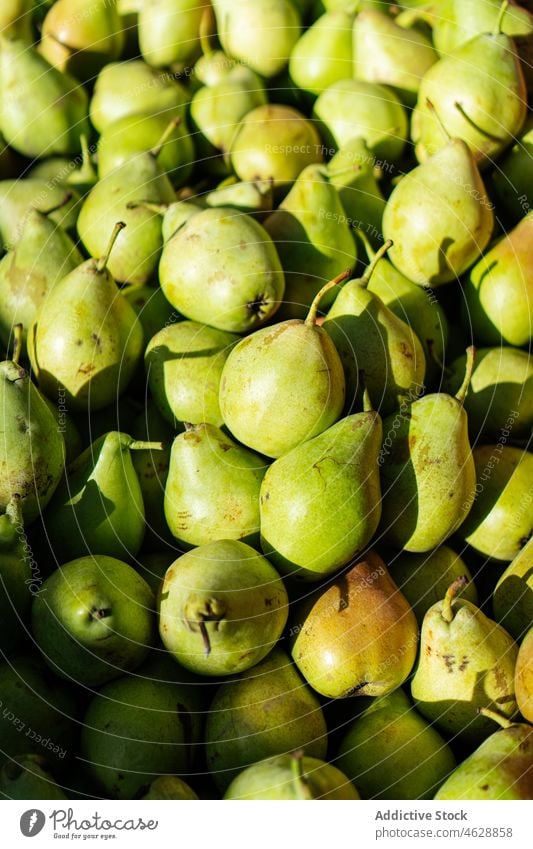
point(357, 635)
point(512, 600)
point(222, 608)
point(16, 576)
point(291, 777)
point(18, 197)
point(524, 677)
point(169, 31)
point(500, 768)
point(501, 520)
point(86, 341)
point(265, 711)
point(27, 777)
point(284, 384)
point(232, 278)
point(98, 507)
point(391, 752)
point(466, 662)
point(93, 619)
point(323, 55)
point(427, 470)
point(184, 363)
point(212, 490)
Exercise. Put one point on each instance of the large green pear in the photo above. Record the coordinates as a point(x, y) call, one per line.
point(320, 502)
point(500, 768)
point(427, 470)
point(501, 385)
point(212, 490)
point(18, 197)
point(466, 662)
point(358, 109)
point(98, 507)
point(501, 519)
point(184, 363)
point(439, 217)
point(27, 777)
point(391, 752)
point(323, 55)
point(478, 93)
point(313, 239)
point(169, 31)
point(86, 341)
point(222, 608)
point(43, 255)
point(32, 448)
point(284, 384)
point(16, 576)
point(424, 578)
point(499, 290)
point(42, 111)
point(512, 600)
point(291, 777)
point(261, 35)
point(221, 268)
point(371, 338)
point(93, 619)
point(387, 53)
point(265, 711)
point(357, 635)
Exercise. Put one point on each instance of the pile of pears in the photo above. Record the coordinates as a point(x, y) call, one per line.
point(266, 460)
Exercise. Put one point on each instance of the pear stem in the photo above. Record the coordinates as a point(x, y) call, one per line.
point(438, 119)
point(102, 262)
point(155, 151)
point(158, 208)
point(451, 593)
point(497, 717)
point(205, 637)
point(369, 250)
point(367, 403)
point(460, 108)
point(365, 279)
point(501, 15)
point(206, 30)
point(139, 445)
point(17, 343)
point(301, 784)
point(463, 389)
point(310, 321)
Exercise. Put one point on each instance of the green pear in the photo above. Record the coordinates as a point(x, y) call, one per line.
point(39, 712)
point(427, 470)
point(265, 711)
point(501, 520)
point(93, 619)
point(358, 109)
point(313, 240)
point(424, 578)
point(80, 39)
point(293, 777)
point(43, 255)
point(42, 111)
point(498, 291)
point(501, 384)
point(284, 384)
point(169, 31)
point(390, 752)
point(222, 608)
point(151, 467)
point(512, 600)
point(184, 363)
point(16, 576)
point(500, 768)
point(232, 279)
point(151, 307)
point(466, 663)
point(323, 55)
point(524, 677)
point(463, 21)
point(439, 217)
point(18, 197)
point(357, 636)
point(116, 198)
point(169, 787)
point(512, 180)
point(86, 341)
point(320, 502)
point(133, 87)
point(370, 337)
point(387, 53)
point(98, 507)
point(261, 35)
point(27, 777)
point(275, 142)
point(16, 18)
point(32, 448)
point(465, 89)
point(212, 491)
point(352, 171)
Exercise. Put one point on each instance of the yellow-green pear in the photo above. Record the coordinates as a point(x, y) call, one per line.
point(291, 777)
point(512, 600)
point(323, 55)
point(169, 31)
point(524, 677)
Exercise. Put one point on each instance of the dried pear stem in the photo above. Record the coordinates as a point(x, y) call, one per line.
point(451, 593)
point(102, 262)
point(497, 717)
point(310, 321)
point(431, 106)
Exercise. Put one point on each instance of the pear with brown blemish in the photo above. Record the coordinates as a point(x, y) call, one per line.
point(467, 662)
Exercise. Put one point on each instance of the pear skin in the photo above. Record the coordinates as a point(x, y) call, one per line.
point(291, 777)
point(524, 677)
point(323, 55)
point(512, 600)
